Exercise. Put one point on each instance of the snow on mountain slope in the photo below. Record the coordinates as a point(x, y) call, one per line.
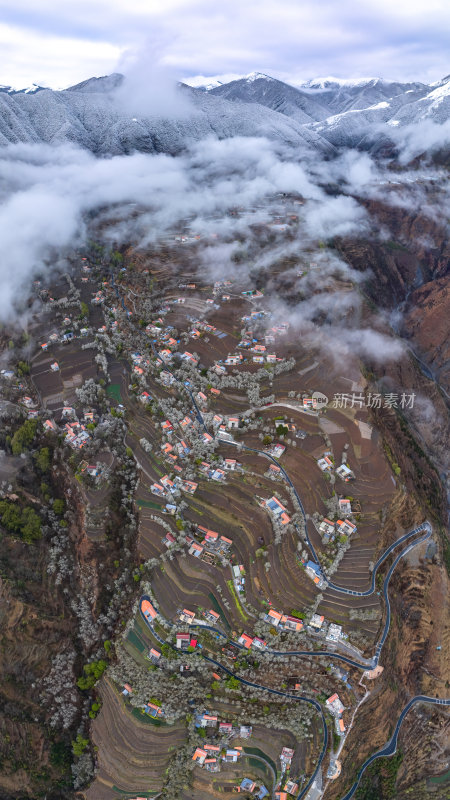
point(347, 95)
point(359, 127)
point(326, 114)
point(274, 94)
point(88, 115)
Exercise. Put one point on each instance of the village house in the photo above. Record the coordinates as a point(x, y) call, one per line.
point(286, 757)
point(185, 486)
point(233, 360)
point(127, 690)
point(334, 633)
point(169, 539)
point(316, 622)
point(340, 727)
point(345, 527)
point(186, 422)
point(211, 765)
point(167, 426)
point(345, 506)
point(183, 641)
point(334, 705)
point(239, 576)
point(207, 720)
point(273, 617)
point(187, 616)
point(245, 641)
point(314, 572)
point(259, 643)
point(195, 550)
point(167, 483)
point(199, 756)
point(211, 616)
point(49, 425)
point(231, 756)
point(93, 471)
point(326, 528)
point(276, 450)
point(154, 655)
point(232, 423)
point(145, 398)
point(157, 489)
point(225, 727)
point(231, 464)
point(293, 624)
point(245, 731)
point(291, 787)
point(325, 464)
point(153, 710)
point(345, 473)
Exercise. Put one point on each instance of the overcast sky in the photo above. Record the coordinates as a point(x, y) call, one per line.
point(60, 43)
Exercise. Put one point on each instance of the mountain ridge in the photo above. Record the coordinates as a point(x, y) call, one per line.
point(323, 116)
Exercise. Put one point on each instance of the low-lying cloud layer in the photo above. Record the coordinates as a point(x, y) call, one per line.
point(47, 194)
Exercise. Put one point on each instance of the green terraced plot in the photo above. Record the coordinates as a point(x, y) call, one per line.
point(113, 390)
point(148, 504)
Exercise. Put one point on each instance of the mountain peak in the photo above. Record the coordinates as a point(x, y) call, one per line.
point(256, 76)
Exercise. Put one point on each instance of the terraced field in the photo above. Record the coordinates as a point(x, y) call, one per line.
point(132, 755)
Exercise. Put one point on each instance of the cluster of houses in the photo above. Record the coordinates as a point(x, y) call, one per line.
point(252, 641)
point(209, 545)
point(166, 486)
point(344, 527)
point(332, 632)
point(75, 433)
point(208, 617)
point(283, 622)
point(210, 756)
point(258, 790)
point(326, 464)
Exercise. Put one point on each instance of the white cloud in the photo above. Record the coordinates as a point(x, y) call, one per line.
point(288, 39)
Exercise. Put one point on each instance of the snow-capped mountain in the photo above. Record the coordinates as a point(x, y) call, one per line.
point(26, 90)
point(359, 126)
point(323, 113)
point(89, 115)
point(274, 94)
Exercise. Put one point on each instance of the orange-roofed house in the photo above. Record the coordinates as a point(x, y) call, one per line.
point(273, 617)
point(245, 640)
point(199, 756)
point(148, 611)
point(49, 425)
